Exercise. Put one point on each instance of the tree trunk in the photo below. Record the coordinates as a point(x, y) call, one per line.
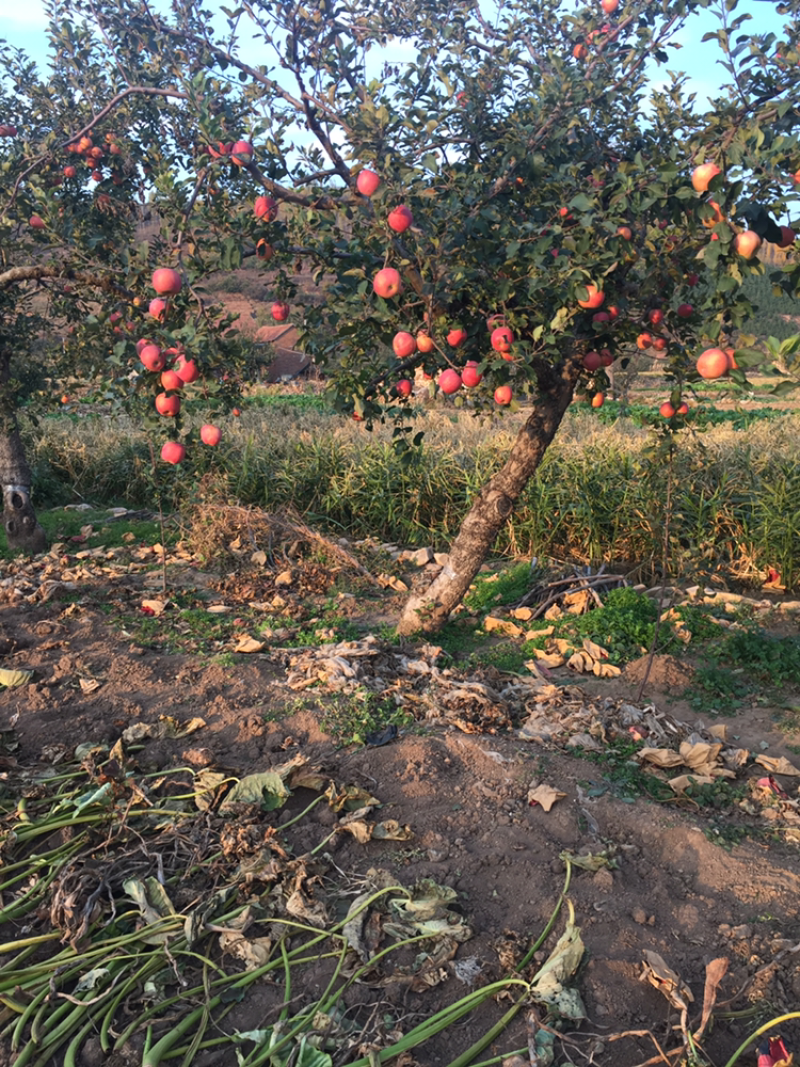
point(429, 611)
point(23, 531)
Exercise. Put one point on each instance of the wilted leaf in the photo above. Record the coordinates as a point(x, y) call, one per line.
point(11, 679)
point(90, 979)
point(88, 685)
point(589, 862)
point(360, 830)
point(595, 651)
point(154, 904)
point(777, 765)
point(206, 783)
point(391, 830)
point(549, 984)
point(715, 972)
point(253, 953)
point(267, 789)
point(698, 755)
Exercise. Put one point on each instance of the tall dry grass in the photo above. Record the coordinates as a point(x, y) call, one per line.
point(598, 496)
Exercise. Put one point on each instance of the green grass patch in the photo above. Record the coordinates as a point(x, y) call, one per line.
point(350, 719)
point(499, 588)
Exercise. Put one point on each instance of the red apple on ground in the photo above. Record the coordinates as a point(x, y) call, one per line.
point(702, 175)
point(404, 387)
point(400, 219)
point(457, 336)
point(594, 299)
point(449, 381)
point(280, 311)
point(470, 376)
point(367, 182)
point(502, 339)
point(425, 342)
point(210, 435)
point(153, 358)
point(685, 311)
point(387, 283)
point(166, 281)
point(266, 208)
point(502, 395)
point(713, 363)
point(404, 344)
point(173, 452)
point(747, 243)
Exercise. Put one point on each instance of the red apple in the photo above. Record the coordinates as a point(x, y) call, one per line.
point(166, 281)
point(457, 336)
point(787, 237)
point(601, 316)
point(367, 182)
point(594, 299)
point(153, 358)
point(400, 219)
point(625, 231)
point(613, 312)
point(660, 344)
point(210, 435)
point(598, 400)
point(713, 363)
point(606, 357)
point(682, 409)
point(609, 6)
point(747, 243)
point(186, 369)
point(502, 339)
point(157, 308)
point(502, 395)
point(36, 222)
point(685, 311)
point(404, 387)
point(655, 316)
point(404, 344)
point(666, 410)
point(592, 361)
point(172, 452)
point(235, 412)
point(425, 342)
point(643, 341)
point(470, 376)
point(449, 381)
point(692, 279)
point(266, 208)
point(171, 381)
point(387, 283)
point(70, 171)
point(168, 405)
point(264, 249)
point(702, 175)
point(242, 153)
point(280, 311)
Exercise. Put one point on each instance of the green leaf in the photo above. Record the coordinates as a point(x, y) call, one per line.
point(266, 789)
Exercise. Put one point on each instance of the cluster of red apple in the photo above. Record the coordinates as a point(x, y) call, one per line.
point(93, 156)
point(239, 152)
point(167, 282)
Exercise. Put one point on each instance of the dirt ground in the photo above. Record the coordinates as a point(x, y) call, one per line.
point(465, 797)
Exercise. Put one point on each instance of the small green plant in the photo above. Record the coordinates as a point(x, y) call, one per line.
point(717, 691)
point(624, 774)
point(351, 719)
point(772, 659)
point(502, 587)
point(625, 625)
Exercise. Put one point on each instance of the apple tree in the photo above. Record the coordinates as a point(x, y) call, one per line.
point(505, 198)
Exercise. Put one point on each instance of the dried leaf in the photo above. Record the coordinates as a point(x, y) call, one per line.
point(660, 757)
point(581, 661)
point(699, 755)
point(154, 904)
point(683, 781)
point(206, 784)
point(777, 765)
point(595, 651)
point(522, 614)
point(544, 795)
point(715, 972)
point(259, 558)
point(550, 659)
point(549, 984)
point(250, 644)
point(658, 973)
point(503, 627)
point(155, 607)
point(88, 685)
point(253, 953)
point(266, 789)
point(590, 861)
point(605, 670)
point(391, 830)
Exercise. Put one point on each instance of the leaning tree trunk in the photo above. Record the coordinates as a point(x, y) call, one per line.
point(429, 611)
point(23, 532)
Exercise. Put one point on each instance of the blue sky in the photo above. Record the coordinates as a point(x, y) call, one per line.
point(23, 23)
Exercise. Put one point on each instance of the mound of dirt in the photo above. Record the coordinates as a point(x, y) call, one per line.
point(665, 672)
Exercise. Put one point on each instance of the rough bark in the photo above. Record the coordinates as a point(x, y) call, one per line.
point(429, 611)
point(23, 532)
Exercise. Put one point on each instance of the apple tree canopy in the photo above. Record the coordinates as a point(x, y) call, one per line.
point(544, 153)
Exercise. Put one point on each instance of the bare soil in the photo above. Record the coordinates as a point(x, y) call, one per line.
point(672, 890)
